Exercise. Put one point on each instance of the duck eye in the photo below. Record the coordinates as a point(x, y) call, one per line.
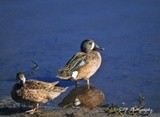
point(90, 43)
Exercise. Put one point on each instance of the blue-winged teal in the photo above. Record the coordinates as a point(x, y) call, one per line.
point(34, 92)
point(83, 64)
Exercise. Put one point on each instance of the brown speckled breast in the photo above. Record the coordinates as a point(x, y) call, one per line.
point(93, 62)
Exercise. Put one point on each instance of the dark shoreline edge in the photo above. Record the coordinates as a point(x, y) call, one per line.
point(72, 112)
point(9, 108)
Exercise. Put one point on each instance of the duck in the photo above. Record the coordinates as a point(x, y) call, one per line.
point(34, 92)
point(83, 64)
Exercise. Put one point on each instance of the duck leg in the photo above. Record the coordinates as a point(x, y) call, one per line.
point(88, 84)
point(76, 84)
point(35, 108)
point(20, 106)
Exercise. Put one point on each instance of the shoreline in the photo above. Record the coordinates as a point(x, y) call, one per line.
point(73, 112)
point(9, 108)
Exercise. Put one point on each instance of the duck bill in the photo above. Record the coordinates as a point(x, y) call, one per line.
point(98, 48)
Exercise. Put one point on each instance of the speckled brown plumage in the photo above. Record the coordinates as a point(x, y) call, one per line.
point(35, 84)
point(34, 92)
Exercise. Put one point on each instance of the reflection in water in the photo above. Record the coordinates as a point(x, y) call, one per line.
point(81, 96)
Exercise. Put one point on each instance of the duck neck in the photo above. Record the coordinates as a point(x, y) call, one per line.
point(85, 51)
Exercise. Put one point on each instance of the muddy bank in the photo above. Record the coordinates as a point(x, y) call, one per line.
point(9, 108)
point(69, 112)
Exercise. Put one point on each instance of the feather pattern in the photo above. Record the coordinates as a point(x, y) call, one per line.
point(83, 64)
point(34, 91)
point(72, 65)
point(35, 84)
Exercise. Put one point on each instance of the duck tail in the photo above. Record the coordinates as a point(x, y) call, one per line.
point(64, 89)
point(56, 92)
point(64, 75)
point(55, 83)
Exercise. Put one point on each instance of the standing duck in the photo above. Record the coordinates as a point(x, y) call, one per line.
point(83, 64)
point(34, 92)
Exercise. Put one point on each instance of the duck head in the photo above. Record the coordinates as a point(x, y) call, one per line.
point(89, 45)
point(20, 78)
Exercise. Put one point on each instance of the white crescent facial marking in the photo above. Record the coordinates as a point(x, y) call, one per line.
point(23, 79)
point(92, 47)
point(74, 74)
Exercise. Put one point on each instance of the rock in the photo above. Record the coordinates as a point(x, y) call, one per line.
point(88, 98)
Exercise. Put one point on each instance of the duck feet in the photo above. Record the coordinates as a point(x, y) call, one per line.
point(32, 111)
point(35, 109)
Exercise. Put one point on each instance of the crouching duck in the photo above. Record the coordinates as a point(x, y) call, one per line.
point(34, 92)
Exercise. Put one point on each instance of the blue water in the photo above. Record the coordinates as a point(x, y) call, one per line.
point(49, 32)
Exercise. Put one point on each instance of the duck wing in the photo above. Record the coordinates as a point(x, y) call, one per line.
point(35, 84)
point(34, 95)
point(39, 95)
point(73, 64)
